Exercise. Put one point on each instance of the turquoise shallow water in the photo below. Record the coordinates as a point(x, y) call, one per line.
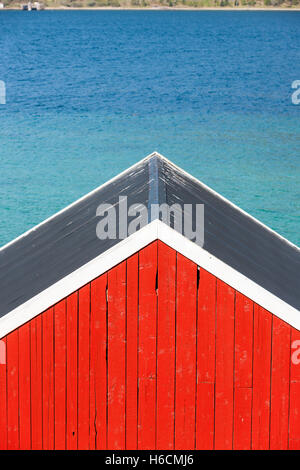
point(90, 93)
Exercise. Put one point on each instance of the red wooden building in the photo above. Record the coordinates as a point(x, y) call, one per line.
point(148, 339)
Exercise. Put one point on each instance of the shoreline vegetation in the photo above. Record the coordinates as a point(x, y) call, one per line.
point(256, 5)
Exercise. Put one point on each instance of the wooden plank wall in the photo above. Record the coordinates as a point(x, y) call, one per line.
point(155, 354)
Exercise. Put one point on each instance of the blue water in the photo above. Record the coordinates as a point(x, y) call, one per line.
point(90, 93)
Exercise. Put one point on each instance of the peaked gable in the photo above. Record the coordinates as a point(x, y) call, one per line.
point(57, 251)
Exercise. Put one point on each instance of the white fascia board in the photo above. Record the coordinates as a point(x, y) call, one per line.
point(77, 279)
point(229, 275)
point(156, 230)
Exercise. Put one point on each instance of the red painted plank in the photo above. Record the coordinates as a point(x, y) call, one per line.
point(83, 367)
point(294, 424)
point(48, 379)
point(147, 347)
point(132, 351)
point(206, 333)
point(92, 386)
point(224, 366)
point(13, 390)
point(244, 310)
point(166, 346)
point(36, 383)
point(60, 350)
point(116, 357)
point(261, 378)
point(185, 392)
point(244, 313)
point(205, 416)
point(98, 385)
point(242, 418)
point(24, 387)
point(206, 327)
point(72, 367)
point(3, 396)
point(280, 385)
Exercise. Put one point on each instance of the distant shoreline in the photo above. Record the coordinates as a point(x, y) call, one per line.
point(246, 8)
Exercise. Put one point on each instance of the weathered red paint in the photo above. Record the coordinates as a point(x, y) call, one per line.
point(147, 335)
point(166, 330)
point(185, 362)
point(156, 353)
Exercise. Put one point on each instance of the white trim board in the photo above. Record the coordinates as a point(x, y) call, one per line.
point(156, 230)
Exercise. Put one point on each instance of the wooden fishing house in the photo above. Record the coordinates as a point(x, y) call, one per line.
point(147, 339)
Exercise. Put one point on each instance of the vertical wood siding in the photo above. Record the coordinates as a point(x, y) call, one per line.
point(155, 354)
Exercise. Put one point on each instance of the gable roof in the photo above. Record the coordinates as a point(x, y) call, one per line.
point(67, 242)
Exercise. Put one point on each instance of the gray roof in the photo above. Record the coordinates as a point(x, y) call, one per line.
point(68, 240)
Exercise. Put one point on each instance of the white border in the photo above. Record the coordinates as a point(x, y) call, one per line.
point(229, 275)
point(153, 231)
point(74, 281)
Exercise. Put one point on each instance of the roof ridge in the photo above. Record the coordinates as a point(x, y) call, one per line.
point(69, 239)
point(130, 168)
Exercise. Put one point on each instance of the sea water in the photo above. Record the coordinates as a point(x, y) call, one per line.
point(89, 93)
